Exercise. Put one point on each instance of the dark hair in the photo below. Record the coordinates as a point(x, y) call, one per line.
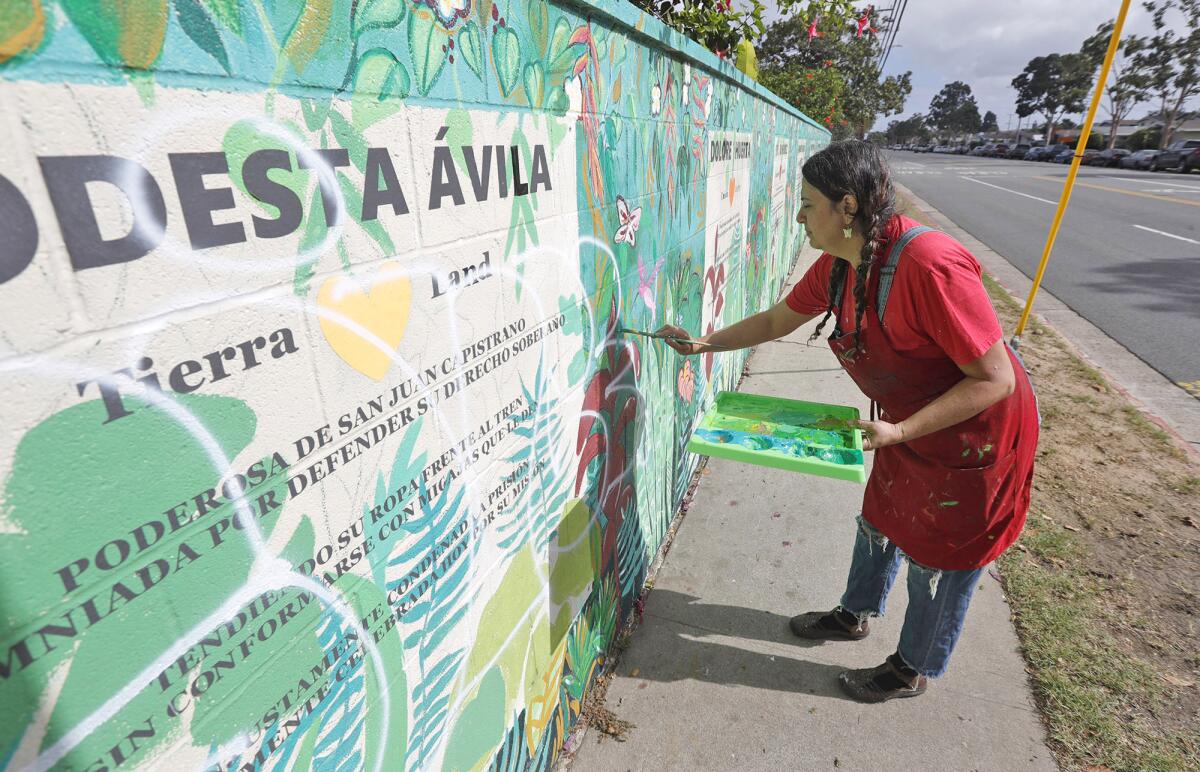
point(857, 168)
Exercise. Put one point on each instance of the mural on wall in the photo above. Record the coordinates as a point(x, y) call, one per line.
point(319, 446)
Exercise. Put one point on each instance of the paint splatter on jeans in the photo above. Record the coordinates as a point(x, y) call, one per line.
point(937, 599)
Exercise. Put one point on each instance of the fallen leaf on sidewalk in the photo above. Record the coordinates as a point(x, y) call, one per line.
point(787, 544)
point(634, 673)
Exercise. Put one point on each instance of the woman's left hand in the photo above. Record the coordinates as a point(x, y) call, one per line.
point(879, 434)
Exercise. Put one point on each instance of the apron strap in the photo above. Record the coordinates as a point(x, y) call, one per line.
point(888, 271)
point(886, 275)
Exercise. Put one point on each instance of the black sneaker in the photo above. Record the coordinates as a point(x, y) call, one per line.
point(885, 682)
point(836, 625)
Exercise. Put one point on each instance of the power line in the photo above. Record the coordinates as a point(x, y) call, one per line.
point(895, 30)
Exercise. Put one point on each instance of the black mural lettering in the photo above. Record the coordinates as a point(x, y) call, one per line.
point(379, 167)
point(272, 193)
point(20, 231)
point(66, 180)
point(199, 202)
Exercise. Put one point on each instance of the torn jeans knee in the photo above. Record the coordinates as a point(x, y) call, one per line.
point(934, 575)
point(873, 535)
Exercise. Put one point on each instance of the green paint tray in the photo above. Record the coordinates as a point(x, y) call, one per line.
point(808, 437)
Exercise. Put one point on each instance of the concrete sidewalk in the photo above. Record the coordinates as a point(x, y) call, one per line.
point(715, 680)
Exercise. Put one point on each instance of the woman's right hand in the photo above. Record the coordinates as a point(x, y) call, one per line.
point(670, 331)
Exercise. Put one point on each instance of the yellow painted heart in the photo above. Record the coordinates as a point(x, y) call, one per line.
point(363, 319)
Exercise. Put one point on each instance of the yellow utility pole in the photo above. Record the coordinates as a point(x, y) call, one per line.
point(1080, 146)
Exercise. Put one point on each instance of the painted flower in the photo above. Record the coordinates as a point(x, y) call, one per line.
point(631, 219)
point(687, 381)
point(648, 282)
point(449, 11)
point(656, 99)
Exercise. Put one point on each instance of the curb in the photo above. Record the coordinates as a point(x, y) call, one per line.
point(1158, 398)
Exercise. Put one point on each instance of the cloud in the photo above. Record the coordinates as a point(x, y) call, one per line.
point(986, 45)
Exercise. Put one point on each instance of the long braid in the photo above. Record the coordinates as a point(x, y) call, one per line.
point(837, 277)
point(857, 168)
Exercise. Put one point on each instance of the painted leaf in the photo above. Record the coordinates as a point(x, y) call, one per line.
point(307, 36)
point(470, 49)
point(425, 40)
point(559, 102)
point(563, 51)
point(535, 83)
point(22, 28)
point(349, 137)
point(379, 86)
point(316, 110)
point(539, 24)
point(378, 14)
point(196, 24)
point(506, 56)
point(227, 12)
point(560, 41)
point(123, 33)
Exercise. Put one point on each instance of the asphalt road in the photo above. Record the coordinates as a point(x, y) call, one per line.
point(1127, 257)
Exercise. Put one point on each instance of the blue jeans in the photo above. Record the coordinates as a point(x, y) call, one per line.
point(937, 599)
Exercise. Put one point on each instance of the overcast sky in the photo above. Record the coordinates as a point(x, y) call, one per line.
point(987, 44)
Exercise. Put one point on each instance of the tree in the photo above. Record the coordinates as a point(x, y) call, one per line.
point(989, 122)
point(834, 77)
point(953, 110)
point(1053, 85)
point(1129, 81)
point(1171, 60)
point(903, 132)
point(715, 24)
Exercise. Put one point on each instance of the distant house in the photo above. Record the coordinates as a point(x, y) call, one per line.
point(1187, 126)
point(1189, 129)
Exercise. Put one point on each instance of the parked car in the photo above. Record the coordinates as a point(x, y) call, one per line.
point(1050, 152)
point(1139, 159)
point(1173, 156)
point(1089, 158)
point(1063, 156)
point(1191, 161)
point(1000, 150)
point(1110, 157)
point(1018, 151)
point(983, 150)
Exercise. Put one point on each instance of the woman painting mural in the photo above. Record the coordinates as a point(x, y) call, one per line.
point(957, 430)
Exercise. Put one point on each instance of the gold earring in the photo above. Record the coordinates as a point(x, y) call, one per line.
point(847, 232)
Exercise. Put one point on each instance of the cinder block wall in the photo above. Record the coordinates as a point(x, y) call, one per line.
point(319, 444)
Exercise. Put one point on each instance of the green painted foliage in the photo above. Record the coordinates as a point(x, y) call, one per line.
point(123, 33)
point(470, 48)
point(199, 27)
point(228, 12)
point(378, 14)
point(380, 84)
point(425, 45)
point(506, 56)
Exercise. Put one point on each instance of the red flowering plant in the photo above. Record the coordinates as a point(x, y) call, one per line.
point(715, 24)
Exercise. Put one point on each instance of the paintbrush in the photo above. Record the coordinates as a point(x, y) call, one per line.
point(675, 338)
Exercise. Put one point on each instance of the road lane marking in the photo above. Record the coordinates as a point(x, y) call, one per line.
point(1009, 190)
point(1159, 183)
point(1168, 235)
point(1111, 189)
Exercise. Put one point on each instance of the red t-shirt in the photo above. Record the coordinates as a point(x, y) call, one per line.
point(937, 307)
